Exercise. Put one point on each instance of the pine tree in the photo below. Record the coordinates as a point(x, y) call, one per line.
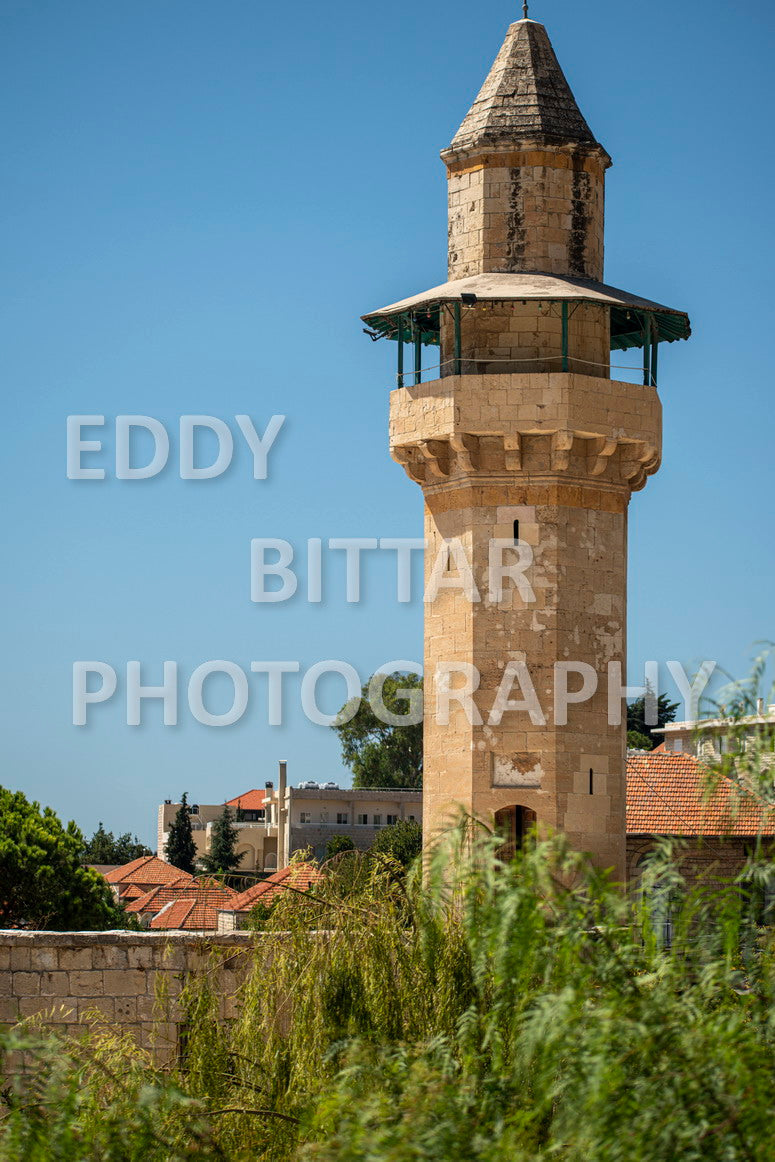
point(105, 847)
point(636, 717)
point(222, 857)
point(43, 883)
point(180, 848)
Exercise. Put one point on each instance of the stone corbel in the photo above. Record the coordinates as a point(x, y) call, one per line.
point(512, 450)
point(602, 449)
point(435, 453)
point(641, 461)
point(409, 460)
point(562, 442)
point(466, 449)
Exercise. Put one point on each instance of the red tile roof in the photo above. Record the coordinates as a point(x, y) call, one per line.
point(175, 913)
point(298, 876)
point(251, 800)
point(188, 915)
point(148, 870)
point(151, 902)
point(132, 892)
point(666, 796)
point(155, 898)
point(190, 904)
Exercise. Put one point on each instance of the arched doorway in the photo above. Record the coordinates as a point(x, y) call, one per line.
point(514, 824)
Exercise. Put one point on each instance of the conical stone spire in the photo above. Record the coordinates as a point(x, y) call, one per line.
point(525, 98)
point(526, 175)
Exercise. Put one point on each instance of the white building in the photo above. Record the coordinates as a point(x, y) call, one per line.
point(286, 819)
point(708, 738)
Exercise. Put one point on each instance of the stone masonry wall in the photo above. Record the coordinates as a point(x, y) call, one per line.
point(530, 210)
point(526, 337)
point(711, 860)
point(67, 975)
point(558, 454)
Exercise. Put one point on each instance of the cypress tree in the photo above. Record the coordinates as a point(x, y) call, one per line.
point(222, 856)
point(180, 848)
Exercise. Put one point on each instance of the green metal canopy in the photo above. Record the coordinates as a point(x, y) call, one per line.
point(628, 312)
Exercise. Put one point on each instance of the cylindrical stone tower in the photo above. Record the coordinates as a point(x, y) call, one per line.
point(527, 454)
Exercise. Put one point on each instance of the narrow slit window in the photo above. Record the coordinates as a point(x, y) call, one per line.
point(516, 531)
point(591, 781)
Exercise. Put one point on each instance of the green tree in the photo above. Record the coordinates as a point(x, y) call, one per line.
point(638, 741)
point(43, 883)
point(105, 847)
point(259, 916)
point(222, 857)
point(338, 843)
point(402, 840)
point(181, 849)
point(636, 717)
point(383, 754)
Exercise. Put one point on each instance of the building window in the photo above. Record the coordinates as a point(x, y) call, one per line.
point(362, 820)
point(305, 817)
point(342, 817)
point(377, 820)
point(412, 819)
point(253, 816)
point(392, 819)
point(324, 816)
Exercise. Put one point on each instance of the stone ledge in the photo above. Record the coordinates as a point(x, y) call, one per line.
point(12, 937)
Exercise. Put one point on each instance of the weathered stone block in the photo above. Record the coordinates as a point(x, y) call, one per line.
point(97, 1009)
point(9, 1008)
point(141, 955)
point(26, 984)
point(109, 956)
point(20, 956)
point(126, 1009)
point(124, 982)
point(55, 984)
point(86, 983)
point(78, 958)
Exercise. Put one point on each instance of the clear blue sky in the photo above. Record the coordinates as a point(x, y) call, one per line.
point(199, 200)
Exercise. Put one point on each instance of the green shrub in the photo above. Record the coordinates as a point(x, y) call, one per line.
point(468, 1011)
point(337, 844)
point(402, 840)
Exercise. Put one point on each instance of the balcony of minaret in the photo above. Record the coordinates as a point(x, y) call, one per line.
point(530, 336)
point(520, 380)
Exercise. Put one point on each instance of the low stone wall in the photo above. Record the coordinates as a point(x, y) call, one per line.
point(66, 976)
point(712, 861)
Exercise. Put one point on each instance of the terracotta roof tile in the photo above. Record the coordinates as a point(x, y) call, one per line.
point(193, 912)
point(126, 869)
point(666, 796)
point(132, 892)
point(211, 891)
point(148, 870)
point(251, 800)
point(299, 876)
point(175, 913)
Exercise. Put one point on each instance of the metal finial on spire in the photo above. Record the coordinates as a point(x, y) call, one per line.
point(524, 10)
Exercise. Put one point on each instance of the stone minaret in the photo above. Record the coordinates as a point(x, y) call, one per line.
point(523, 439)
